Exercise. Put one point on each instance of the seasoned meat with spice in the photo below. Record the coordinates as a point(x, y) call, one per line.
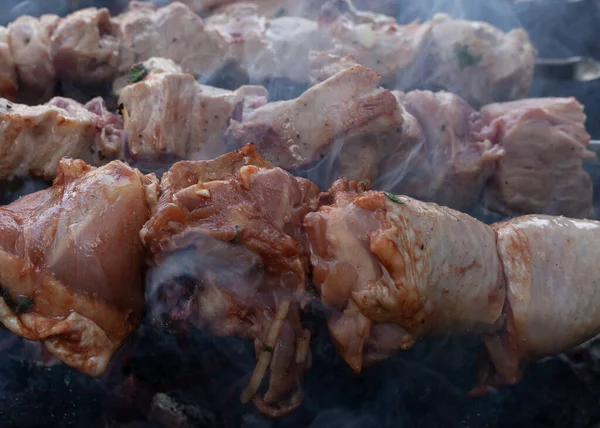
point(30, 44)
point(71, 262)
point(552, 279)
point(479, 62)
point(34, 138)
point(86, 47)
point(348, 112)
point(445, 155)
point(170, 116)
point(8, 73)
point(395, 269)
point(172, 32)
point(545, 142)
point(236, 223)
point(263, 48)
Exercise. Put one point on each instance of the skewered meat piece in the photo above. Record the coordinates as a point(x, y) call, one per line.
point(378, 262)
point(86, 47)
point(447, 156)
point(30, 44)
point(551, 269)
point(236, 222)
point(348, 110)
point(8, 74)
point(35, 138)
point(169, 116)
point(323, 65)
point(266, 49)
point(71, 262)
point(172, 32)
point(545, 143)
point(145, 70)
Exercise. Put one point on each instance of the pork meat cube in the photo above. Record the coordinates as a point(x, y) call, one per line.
point(71, 262)
point(541, 173)
point(8, 74)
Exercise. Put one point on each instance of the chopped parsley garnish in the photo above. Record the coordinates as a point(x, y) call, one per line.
point(236, 237)
point(137, 73)
point(465, 57)
point(364, 182)
point(393, 198)
point(267, 348)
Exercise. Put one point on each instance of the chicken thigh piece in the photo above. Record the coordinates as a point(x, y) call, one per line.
point(395, 269)
point(71, 262)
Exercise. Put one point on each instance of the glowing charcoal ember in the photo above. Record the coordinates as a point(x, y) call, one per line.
point(71, 262)
point(229, 256)
point(418, 269)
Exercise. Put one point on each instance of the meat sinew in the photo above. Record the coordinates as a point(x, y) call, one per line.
point(8, 74)
point(545, 142)
point(348, 110)
point(552, 280)
point(395, 269)
point(34, 138)
point(171, 116)
point(71, 262)
point(238, 221)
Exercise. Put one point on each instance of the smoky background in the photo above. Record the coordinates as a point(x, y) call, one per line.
point(423, 387)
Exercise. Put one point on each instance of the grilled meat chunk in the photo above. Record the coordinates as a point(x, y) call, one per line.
point(323, 65)
point(237, 223)
point(30, 44)
point(171, 116)
point(86, 47)
point(418, 269)
point(552, 272)
point(545, 142)
point(71, 262)
point(8, 74)
point(348, 110)
point(34, 138)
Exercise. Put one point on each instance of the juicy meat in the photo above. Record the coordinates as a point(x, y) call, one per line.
point(347, 110)
point(415, 268)
point(8, 73)
point(171, 116)
point(30, 40)
point(228, 247)
point(34, 138)
point(71, 262)
point(172, 32)
point(545, 142)
point(447, 156)
point(265, 49)
point(86, 47)
point(552, 276)
point(479, 62)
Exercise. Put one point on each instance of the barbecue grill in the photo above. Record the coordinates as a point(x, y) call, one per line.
point(172, 378)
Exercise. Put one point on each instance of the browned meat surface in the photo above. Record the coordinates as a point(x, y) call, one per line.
point(552, 275)
point(172, 32)
point(171, 116)
point(34, 138)
point(395, 269)
point(349, 110)
point(545, 143)
point(480, 62)
point(241, 219)
point(264, 49)
point(445, 155)
point(30, 40)
point(71, 262)
point(86, 47)
point(8, 74)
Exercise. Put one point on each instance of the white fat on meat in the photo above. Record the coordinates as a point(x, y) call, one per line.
point(34, 138)
point(172, 115)
point(8, 74)
point(378, 263)
point(545, 143)
point(71, 262)
point(553, 292)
